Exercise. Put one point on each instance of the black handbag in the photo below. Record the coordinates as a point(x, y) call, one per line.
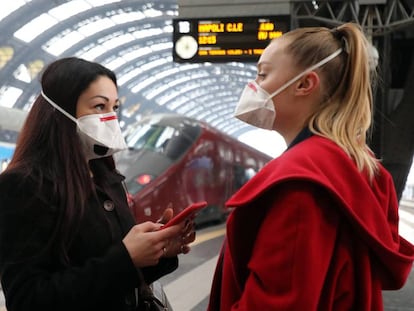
point(147, 300)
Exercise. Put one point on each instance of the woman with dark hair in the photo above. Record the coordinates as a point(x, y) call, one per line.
point(68, 240)
point(317, 227)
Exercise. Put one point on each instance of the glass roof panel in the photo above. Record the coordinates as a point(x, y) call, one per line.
point(30, 102)
point(130, 55)
point(171, 12)
point(126, 17)
point(118, 41)
point(129, 75)
point(57, 45)
point(203, 114)
point(157, 91)
point(153, 64)
point(35, 27)
point(8, 7)
point(96, 3)
point(152, 12)
point(197, 110)
point(167, 73)
point(69, 9)
point(141, 54)
point(9, 95)
point(182, 108)
point(143, 84)
point(92, 26)
point(140, 34)
point(177, 103)
point(143, 51)
point(181, 80)
point(93, 53)
point(166, 98)
point(162, 46)
point(168, 29)
point(115, 63)
point(22, 74)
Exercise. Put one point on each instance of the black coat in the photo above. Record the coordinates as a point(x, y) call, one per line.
point(101, 275)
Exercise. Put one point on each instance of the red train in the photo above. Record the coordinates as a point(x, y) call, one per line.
point(174, 160)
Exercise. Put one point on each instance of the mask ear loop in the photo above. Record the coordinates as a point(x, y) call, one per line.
point(345, 45)
point(58, 107)
point(338, 35)
point(317, 65)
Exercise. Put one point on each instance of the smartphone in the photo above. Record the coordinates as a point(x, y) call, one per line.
point(189, 212)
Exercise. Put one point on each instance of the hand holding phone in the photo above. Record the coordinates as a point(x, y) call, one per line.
point(189, 212)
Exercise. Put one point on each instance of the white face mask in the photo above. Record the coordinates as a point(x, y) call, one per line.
point(100, 133)
point(256, 106)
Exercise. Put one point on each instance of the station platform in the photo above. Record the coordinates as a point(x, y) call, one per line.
point(188, 287)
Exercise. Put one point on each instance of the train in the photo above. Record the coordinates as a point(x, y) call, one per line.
point(174, 160)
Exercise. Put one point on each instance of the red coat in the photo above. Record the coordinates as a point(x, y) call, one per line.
point(309, 232)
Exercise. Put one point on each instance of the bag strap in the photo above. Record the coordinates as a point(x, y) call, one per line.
point(144, 296)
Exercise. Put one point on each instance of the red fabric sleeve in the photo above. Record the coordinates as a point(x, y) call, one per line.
point(292, 251)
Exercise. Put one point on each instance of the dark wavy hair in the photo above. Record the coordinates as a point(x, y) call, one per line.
point(49, 151)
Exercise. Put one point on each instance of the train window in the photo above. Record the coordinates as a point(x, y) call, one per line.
point(249, 173)
point(133, 187)
point(165, 140)
point(176, 146)
point(164, 137)
point(242, 175)
point(138, 138)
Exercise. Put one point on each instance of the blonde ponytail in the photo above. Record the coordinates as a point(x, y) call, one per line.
point(345, 114)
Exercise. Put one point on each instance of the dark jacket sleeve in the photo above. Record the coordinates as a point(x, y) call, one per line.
point(32, 277)
point(164, 267)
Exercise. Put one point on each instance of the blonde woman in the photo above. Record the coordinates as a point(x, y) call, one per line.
point(317, 228)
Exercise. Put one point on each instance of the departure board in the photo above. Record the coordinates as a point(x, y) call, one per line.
point(225, 39)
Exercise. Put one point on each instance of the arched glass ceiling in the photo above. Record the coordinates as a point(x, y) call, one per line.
point(131, 37)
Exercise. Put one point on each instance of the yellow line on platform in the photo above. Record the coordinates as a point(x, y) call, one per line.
point(200, 238)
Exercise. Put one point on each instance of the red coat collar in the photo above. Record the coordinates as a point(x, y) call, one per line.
point(372, 208)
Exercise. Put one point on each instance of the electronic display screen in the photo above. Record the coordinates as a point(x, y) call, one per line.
point(225, 39)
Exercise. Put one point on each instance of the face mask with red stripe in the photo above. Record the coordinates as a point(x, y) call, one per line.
point(99, 133)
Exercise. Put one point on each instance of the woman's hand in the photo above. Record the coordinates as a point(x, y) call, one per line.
point(146, 244)
point(179, 244)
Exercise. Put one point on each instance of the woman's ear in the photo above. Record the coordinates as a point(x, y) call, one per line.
point(307, 84)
